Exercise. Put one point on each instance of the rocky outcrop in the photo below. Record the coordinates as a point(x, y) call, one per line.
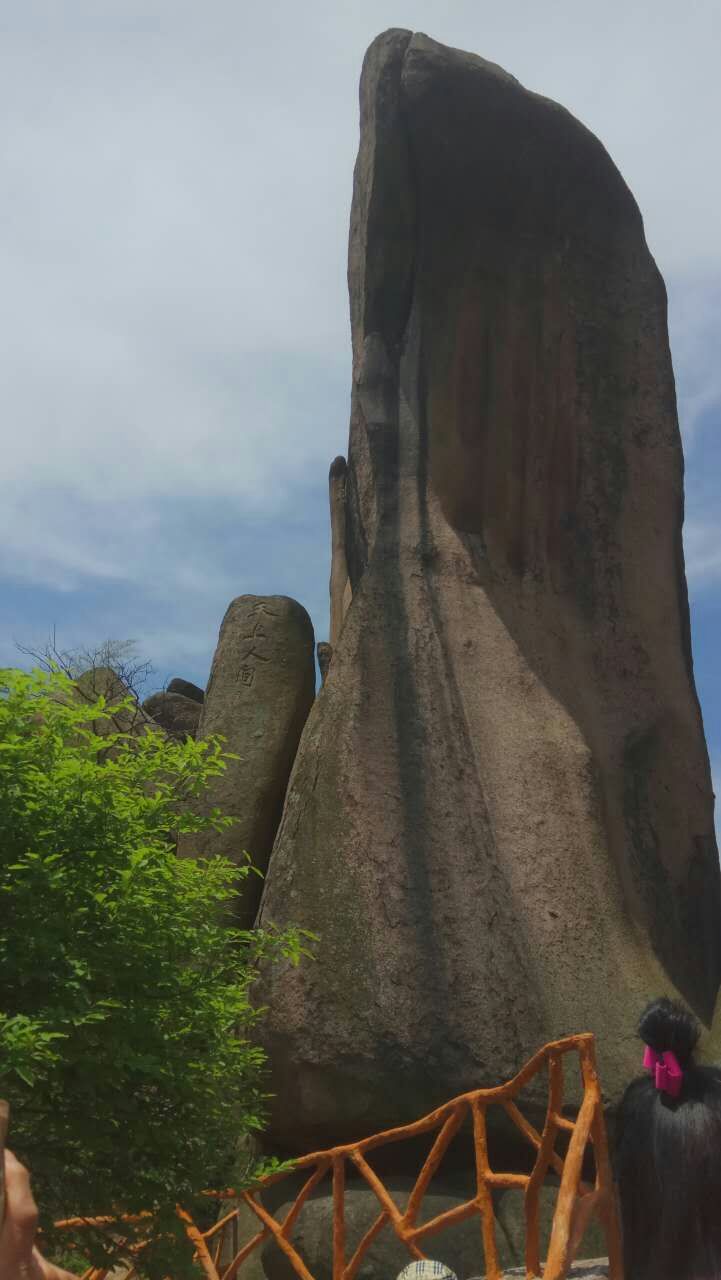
point(261, 688)
point(500, 821)
point(175, 713)
point(187, 688)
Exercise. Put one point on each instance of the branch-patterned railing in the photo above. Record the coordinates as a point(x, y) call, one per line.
point(576, 1202)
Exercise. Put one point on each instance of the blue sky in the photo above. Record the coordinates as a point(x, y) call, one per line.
point(176, 184)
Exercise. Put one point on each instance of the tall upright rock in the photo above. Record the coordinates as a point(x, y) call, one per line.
point(500, 820)
point(261, 688)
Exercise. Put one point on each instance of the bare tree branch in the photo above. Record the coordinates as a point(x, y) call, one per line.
point(119, 656)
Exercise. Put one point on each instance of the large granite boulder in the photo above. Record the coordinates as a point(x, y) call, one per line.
point(187, 688)
point(178, 715)
point(500, 820)
point(458, 1246)
point(261, 688)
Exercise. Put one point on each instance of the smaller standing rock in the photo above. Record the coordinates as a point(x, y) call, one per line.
point(175, 713)
point(187, 688)
point(261, 688)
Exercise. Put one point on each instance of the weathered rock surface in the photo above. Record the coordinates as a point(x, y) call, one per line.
point(187, 688)
point(500, 821)
point(261, 688)
point(175, 713)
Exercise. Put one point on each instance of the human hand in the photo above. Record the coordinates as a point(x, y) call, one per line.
point(20, 1259)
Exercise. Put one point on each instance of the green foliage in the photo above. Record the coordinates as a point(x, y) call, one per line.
point(126, 1020)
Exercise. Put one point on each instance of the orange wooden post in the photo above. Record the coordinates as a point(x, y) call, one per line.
point(483, 1195)
point(609, 1214)
point(338, 1217)
point(558, 1260)
point(201, 1248)
point(540, 1168)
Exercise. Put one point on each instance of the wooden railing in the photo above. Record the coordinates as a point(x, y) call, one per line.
point(576, 1201)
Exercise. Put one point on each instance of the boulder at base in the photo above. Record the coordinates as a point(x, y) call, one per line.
point(500, 822)
point(261, 688)
point(458, 1246)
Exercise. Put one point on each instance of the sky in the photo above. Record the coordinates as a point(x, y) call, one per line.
point(175, 183)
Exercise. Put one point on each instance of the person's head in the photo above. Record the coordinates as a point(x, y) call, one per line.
point(668, 1156)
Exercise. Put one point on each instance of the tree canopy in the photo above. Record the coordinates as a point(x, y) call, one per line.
point(127, 1046)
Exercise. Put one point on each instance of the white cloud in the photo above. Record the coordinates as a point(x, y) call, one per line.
point(175, 185)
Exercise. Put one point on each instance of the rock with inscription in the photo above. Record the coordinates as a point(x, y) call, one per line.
point(187, 688)
point(261, 688)
point(500, 821)
point(175, 713)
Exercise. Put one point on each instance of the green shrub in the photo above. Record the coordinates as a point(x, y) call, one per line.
point(126, 1021)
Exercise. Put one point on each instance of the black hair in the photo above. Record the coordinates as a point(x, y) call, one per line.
point(668, 1160)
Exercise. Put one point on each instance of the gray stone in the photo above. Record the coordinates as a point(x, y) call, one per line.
point(187, 688)
point(500, 821)
point(177, 715)
point(261, 688)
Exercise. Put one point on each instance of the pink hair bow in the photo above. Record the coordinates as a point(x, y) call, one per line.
point(667, 1074)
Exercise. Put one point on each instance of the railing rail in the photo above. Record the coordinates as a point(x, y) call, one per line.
point(576, 1202)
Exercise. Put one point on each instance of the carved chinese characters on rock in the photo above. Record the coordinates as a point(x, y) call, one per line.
point(253, 646)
